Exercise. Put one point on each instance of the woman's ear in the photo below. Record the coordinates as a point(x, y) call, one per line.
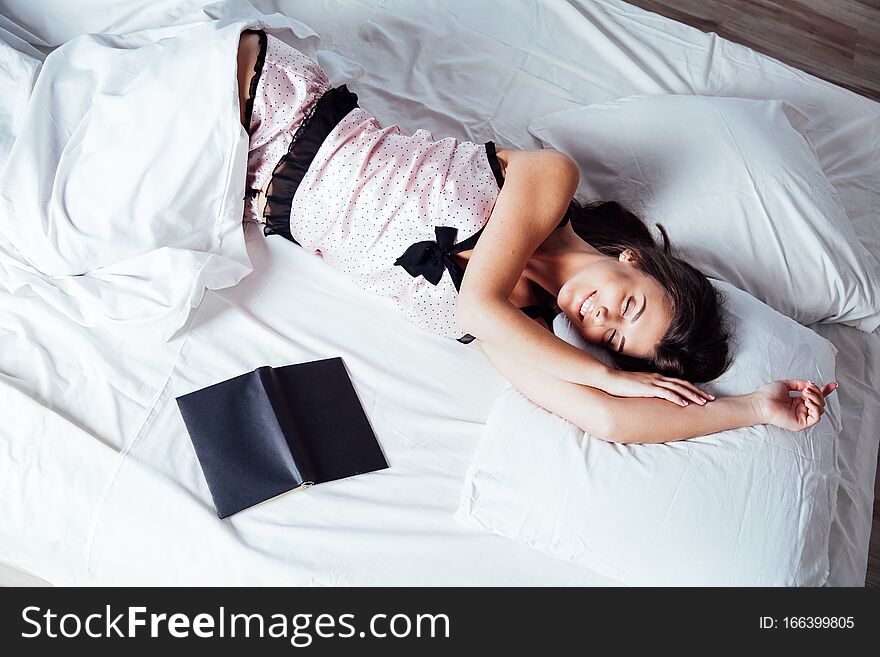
point(627, 255)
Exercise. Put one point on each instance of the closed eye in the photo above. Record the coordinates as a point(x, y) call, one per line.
point(629, 302)
point(611, 339)
point(641, 310)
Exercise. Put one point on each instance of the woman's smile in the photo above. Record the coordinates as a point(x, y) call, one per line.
point(586, 304)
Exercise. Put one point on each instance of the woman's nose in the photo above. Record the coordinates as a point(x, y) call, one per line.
point(601, 315)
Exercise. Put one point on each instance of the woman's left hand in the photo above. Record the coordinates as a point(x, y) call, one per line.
point(649, 384)
point(780, 409)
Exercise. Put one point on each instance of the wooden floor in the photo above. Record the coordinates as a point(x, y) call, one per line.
point(837, 40)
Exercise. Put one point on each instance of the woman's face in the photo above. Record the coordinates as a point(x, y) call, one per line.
point(614, 304)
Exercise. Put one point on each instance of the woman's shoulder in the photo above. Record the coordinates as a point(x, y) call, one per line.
point(535, 155)
point(547, 163)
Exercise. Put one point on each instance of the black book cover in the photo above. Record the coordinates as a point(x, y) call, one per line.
point(275, 429)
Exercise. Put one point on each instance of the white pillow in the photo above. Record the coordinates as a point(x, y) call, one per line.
point(739, 190)
point(750, 506)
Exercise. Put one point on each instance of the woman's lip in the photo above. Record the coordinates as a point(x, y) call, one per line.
point(581, 303)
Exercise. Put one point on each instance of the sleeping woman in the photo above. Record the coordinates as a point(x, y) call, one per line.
point(477, 242)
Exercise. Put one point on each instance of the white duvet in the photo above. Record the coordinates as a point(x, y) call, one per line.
point(98, 481)
point(133, 182)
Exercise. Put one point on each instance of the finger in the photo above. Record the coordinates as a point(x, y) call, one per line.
point(814, 396)
point(813, 419)
point(690, 386)
point(697, 390)
point(815, 387)
point(813, 409)
point(681, 390)
point(796, 384)
point(669, 395)
point(689, 393)
point(802, 413)
point(828, 388)
point(810, 419)
point(820, 399)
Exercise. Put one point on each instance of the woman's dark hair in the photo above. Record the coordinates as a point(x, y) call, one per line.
point(695, 346)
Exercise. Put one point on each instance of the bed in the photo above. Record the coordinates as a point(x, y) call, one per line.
point(100, 485)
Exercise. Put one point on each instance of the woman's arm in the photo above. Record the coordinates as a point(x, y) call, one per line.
point(626, 420)
point(620, 419)
point(537, 190)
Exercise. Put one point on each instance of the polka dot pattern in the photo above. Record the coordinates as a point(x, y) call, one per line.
point(372, 191)
point(288, 87)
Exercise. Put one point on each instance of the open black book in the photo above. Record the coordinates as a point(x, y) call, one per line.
point(276, 429)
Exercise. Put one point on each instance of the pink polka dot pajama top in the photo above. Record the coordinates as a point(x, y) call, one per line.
point(384, 207)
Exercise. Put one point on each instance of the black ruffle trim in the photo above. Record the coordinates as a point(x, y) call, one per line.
point(324, 115)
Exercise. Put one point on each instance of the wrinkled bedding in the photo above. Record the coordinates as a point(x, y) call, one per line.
point(98, 480)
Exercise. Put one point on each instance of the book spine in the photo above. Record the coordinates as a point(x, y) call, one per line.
point(304, 470)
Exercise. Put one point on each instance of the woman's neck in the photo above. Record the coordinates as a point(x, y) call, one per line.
point(562, 255)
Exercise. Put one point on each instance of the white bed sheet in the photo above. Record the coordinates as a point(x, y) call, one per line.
point(427, 404)
point(98, 481)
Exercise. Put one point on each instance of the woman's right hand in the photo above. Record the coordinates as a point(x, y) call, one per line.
point(779, 408)
point(648, 384)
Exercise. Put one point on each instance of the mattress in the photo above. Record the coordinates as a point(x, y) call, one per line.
point(100, 484)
